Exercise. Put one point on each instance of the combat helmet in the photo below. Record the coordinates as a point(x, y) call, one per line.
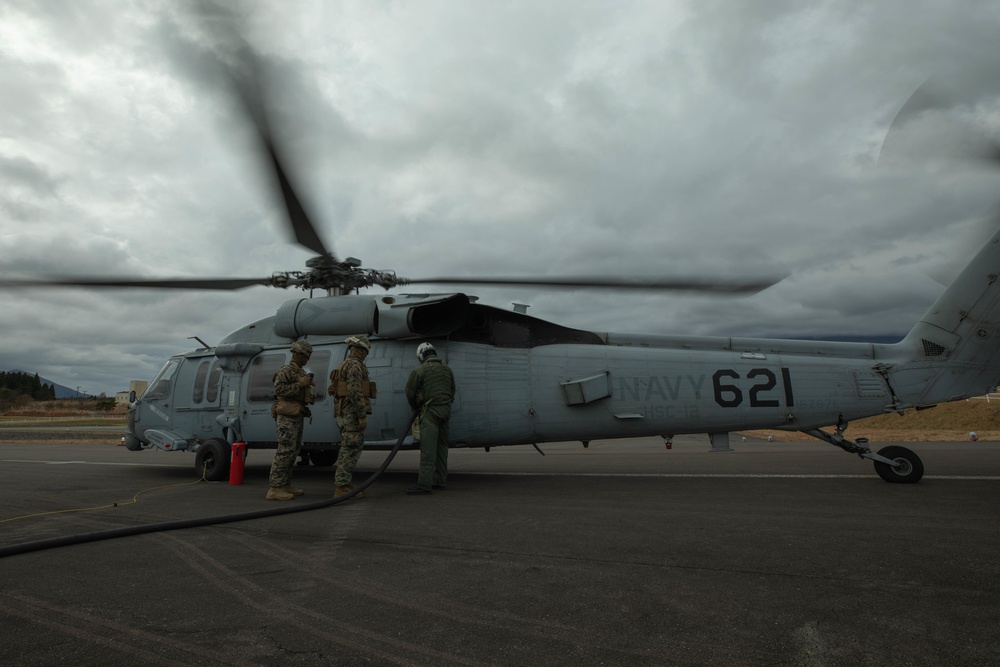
point(302, 347)
point(359, 341)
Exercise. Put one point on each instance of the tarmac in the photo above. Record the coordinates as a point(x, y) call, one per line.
point(623, 553)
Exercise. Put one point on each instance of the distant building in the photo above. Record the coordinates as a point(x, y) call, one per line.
point(138, 386)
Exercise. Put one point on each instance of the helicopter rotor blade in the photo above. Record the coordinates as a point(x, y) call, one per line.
point(931, 125)
point(247, 85)
point(299, 221)
point(631, 283)
point(166, 283)
point(247, 81)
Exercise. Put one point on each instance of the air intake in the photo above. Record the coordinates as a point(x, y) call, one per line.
point(932, 349)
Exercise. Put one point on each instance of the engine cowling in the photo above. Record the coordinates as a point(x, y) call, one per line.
point(389, 316)
point(431, 315)
point(326, 316)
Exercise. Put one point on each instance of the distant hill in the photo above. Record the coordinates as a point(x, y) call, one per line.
point(64, 392)
point(61, 391)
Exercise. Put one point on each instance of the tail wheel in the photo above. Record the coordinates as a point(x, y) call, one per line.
point(907, 468)
point(213, 458)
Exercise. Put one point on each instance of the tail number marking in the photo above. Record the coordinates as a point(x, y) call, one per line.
point(730, 395)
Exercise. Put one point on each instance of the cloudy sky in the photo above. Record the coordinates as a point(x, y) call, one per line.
point(566, 137)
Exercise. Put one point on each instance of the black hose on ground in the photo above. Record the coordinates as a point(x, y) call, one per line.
point(68, 540)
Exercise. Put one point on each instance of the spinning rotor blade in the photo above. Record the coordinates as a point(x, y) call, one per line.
point(678, 285)
point(303, 228)
point(168, 283)
point(936, 123)
point(247, 91)
point(244, 74)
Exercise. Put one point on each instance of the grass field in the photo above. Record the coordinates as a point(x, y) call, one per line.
point(948, 422)
point(111, 421)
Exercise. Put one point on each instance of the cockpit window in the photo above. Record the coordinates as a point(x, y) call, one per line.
point(160, 386)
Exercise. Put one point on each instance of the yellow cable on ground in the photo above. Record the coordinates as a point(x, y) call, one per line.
point(135, 500)
point(127, 531)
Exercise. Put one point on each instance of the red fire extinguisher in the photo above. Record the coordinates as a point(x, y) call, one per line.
point(236, 464)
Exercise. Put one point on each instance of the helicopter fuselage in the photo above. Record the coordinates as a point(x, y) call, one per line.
point(592, 386)
point(523, 380)
point(508, 396)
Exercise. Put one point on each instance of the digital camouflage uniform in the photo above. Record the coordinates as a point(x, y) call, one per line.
point(288, 386)
point(431, 390)
point(352, 413)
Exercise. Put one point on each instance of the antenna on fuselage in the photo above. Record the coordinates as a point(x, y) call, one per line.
point(203, 343)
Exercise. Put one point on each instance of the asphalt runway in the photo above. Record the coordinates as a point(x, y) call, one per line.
point(624, 553)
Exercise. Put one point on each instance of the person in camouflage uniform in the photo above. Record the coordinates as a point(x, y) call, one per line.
point(352, 392)
point(293, 393)
point(431, 390)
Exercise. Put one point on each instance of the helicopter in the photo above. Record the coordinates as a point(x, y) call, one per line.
point(523, 380)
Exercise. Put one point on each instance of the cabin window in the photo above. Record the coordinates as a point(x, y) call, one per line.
point(319, 365)
point(160, 386)
point(213, 383)
point(198, 391)
point(260, 387)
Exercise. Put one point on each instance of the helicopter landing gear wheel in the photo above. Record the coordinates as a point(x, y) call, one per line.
point(213, 459)
point(907, 468)
point(323, 458)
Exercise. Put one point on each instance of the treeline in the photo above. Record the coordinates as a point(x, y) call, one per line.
point(14, 384)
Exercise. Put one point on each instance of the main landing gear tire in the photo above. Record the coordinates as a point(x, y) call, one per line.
point(213, 458)
point(323, 458)
point(908, 469)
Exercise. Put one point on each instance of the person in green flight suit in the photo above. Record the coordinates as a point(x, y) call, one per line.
point(430, 390)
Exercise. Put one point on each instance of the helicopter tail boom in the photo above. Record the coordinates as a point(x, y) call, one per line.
point(954, 350)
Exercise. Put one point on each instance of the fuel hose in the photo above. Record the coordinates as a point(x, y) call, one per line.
point(113, 533)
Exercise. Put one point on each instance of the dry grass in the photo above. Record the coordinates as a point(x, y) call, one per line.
point(948, 422)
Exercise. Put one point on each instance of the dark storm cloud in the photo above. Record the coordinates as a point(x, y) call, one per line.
point(22, 171)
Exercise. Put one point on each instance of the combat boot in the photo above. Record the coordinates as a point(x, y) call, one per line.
point(344, 490)
point(277, 493)
point(294, 490)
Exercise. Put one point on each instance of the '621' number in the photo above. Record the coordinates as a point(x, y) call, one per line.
point(730, 395)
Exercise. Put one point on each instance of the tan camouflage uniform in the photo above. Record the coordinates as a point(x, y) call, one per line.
point(288, 385)
point(352, 414)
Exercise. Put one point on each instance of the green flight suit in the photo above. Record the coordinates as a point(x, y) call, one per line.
point(431, 390)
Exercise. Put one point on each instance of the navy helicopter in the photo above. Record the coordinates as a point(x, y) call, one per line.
point(525, 381)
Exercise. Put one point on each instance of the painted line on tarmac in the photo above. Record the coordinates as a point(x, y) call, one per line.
point(664, 475)
point(92, 463)
point(696, 475)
